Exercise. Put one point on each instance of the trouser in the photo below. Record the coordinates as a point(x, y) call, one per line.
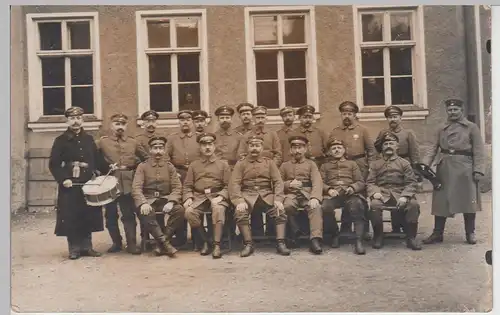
point(195, 215)
point(128, 218)
point(315, 215)
point(111, 218)
point(181, 232)
point(354, 205)
point(150, 221)
point(409, 214)
point(469, 223)
point(242, 217)
point(78, 243)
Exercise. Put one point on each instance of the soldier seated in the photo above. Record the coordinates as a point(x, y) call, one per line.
point(303, 188)
point(391, 182)
point(256, 184)
point(344, 185)
point(205, 189)
point(156, 188)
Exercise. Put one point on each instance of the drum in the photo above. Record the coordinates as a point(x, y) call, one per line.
point(101, 191)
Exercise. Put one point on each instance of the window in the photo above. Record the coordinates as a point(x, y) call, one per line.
point(172, 60)
point(281, 56)
point(63, 65)
point(390, 60)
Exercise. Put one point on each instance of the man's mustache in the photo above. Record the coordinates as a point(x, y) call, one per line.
point(120, 129)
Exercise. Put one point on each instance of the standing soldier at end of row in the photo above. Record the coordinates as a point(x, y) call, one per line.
point(317, 138)
point(460, 166)
point(227, 139)
point(288, 116)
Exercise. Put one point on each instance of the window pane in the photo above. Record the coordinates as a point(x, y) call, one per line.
point(188, 67)
point(81, 70)
point(294, 29)
point(401, 26)
point(187, 31)
point(401, 61)
point(268, 94)
point(159, 68)
point(53, 101)
point(189, 96)
point(296, 93)
point(84, 98)
point(373, 92)
point(53, 71)
point(50, 36)
point(402, 90)
point(372, 25)
point(79, 35)
point(372, 62)
point(160, 97)
point(265, 30)
point(158, 34)
point(295, 64)
point(266, 65)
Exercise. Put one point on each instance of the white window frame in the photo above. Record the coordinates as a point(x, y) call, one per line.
point(311, 55)
point(35, 91)
point(418, 110)
point(143, 68)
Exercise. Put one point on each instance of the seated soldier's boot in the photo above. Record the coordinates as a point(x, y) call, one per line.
point(470, 225)
point(411, 234)
point(90, 253)
point(167, 246)
point(315, 247)
point(359, 229)
point(117, 242)
point(280, 239)
point(246, 233)
point(437, 233)
point(378, 236)
point(131, 236)
point(202, 234)
point(335, 235)
point(366, 231)
point(158, 250)
point(218, 231)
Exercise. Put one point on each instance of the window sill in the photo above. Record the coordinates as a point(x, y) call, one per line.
point(275, 119)
point(51, 124)
point(375, 114)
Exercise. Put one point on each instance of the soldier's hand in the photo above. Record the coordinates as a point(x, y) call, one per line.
point(279, 206)
point(477, 177)
point(377, 196)
point(333, 193)
point(242, 207)
point(215, 201)
point(68, 183)
point(295, 184)
point(349, 191)
point(146, 209)
point(402, 202)
point(168, 207)
point(313, 203)
point(188, 202)
point(113, 167)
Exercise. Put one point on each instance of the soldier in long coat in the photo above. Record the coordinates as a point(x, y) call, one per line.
point(227, 139)
point(288, 116)
point(460, 165)
point(206, 189)
point(391, 182)
point(304, 189)
point(74, 158)
point(256, 184)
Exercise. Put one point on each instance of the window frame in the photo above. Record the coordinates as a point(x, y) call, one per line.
point(311, 56)
point(418, 110)
point(169, 119)
point(38, 122)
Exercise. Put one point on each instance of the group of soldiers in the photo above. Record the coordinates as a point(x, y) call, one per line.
point(250, 168)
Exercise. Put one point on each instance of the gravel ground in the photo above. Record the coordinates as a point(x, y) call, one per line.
point(451, 277)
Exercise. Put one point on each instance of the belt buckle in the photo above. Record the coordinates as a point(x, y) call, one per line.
point(156, 194)
point(452, 151)
point(208, 190)
point(256, 188)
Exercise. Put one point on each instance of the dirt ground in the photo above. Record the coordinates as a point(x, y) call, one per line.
point(451, 277)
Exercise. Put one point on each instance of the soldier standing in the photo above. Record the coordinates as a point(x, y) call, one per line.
point(256, 184)
point(245, 112)
point(359, 145)
point(288, 116)
point(344, 185)
point(227, 139)
point(156, 188)
point(206, 189)
point(392, 182)
point(199, 121)
point(124, 151)
point(407, 147)
point(318, 139)
point(73, 160)
point(149, 119)
point(460, 166)
point(303, 188)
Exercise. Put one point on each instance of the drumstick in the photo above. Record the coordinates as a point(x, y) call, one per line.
point(96, 184)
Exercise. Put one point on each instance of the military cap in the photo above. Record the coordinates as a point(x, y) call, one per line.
point(386, 136)
point(335, 141)
point(307, 109)
point(157, 140)
point(150, 114)
point(206, 137)
point(185, 114)
point(348, 106)
point(454, 102)
point(298, 140)
point(259, 110)
point(255, 139)
point(224, 110)
point(286, 110)
point(244, 107)
point(119, 118)
point(393, 110)
point(200, 114)
point(73, 111)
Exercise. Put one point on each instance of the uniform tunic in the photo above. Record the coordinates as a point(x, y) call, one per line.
point(272, 146)
point(226, 145)
point(318, 140)
point(182, 149)
point(458, 194)
point(408, 147)
point(283, 134)
point(243, 130)
point(74, 216)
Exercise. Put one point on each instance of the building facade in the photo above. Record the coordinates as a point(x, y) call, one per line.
point(129, 59)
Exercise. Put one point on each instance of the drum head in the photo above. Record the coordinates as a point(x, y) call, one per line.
point(99, 185)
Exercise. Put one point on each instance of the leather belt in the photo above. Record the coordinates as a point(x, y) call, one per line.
point(126, 168)
point(182, 167)
point(209, 190)
point(307, 184)
point(154, 193)
point(456, 152)
point(257, 187)
point(80, 164)
point(355, 157)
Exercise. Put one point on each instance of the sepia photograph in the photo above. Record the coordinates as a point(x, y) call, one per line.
point(251, 158)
